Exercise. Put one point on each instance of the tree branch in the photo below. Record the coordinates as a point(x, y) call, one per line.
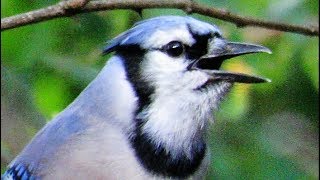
point(62, 9)
point(75, 4)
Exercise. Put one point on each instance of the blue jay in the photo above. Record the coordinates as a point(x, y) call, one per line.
point(146, 114)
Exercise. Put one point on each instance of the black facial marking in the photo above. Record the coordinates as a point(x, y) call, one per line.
point(133, 56)
point(200, 47)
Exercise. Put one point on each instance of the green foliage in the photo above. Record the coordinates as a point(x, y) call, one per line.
point(262, 131)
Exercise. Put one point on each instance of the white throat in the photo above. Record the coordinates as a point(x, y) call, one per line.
point(178, 116)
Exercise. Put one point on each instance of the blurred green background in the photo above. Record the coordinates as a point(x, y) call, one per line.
point(262, 131)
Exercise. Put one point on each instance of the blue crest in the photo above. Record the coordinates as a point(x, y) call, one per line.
point(144, 29)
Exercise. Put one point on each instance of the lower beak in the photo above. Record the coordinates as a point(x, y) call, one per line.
point(223, 50)
point(234, 77)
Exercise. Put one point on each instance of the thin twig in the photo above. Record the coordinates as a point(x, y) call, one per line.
point(59, 10)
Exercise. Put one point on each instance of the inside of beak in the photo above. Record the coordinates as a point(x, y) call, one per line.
point(211, 62)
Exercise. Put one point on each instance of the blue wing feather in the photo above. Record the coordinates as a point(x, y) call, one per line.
point(18, 172)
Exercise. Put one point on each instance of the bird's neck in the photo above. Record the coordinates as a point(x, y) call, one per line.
point(170, 136)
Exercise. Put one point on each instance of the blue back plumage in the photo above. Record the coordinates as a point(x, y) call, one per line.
point(142, 30)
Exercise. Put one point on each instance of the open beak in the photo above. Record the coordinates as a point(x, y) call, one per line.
point(222, 50)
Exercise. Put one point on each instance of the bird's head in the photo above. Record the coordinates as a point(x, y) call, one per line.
point(173, 66)
point(171, 54)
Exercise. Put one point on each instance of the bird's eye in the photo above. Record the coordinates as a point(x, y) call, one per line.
point(174, 48)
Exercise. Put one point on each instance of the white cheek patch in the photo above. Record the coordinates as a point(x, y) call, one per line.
point(169, 75)
point(160, 38)
point(159, 63)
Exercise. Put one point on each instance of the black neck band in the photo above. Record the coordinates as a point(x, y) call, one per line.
point(160, 162)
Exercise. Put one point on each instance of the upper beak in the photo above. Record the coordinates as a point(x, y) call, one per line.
point(223, 50)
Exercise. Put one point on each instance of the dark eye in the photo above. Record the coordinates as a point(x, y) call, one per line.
point(174, 48)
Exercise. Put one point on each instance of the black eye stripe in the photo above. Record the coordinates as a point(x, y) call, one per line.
point(199, 48)
point(216, 35)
